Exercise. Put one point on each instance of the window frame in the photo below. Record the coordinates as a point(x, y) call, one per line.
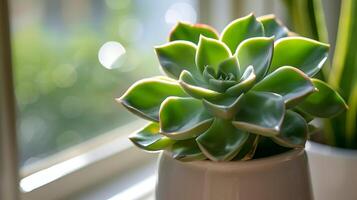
point(8, 147)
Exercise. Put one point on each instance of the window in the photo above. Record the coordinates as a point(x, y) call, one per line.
point(64, 94)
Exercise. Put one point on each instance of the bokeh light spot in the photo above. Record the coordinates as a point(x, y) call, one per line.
point(110, 53)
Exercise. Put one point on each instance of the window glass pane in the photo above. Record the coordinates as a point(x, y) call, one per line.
point(64, 95)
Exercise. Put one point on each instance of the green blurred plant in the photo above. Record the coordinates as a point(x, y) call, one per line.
point(341, 130)
point(228, 93)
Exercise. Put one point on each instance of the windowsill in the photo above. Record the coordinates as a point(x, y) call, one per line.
point(137, 183)
point(90, 165)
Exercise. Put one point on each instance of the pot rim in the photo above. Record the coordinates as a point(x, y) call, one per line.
point(324, 149)
point(249, 164)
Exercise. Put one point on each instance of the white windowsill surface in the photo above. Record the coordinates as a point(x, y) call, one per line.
point(108, 167)
point(136, 184)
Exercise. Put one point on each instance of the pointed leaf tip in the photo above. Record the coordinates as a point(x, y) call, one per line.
point(241, 29)
point(154, 90)
point(192, 32)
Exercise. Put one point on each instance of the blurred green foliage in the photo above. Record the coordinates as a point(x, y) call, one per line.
point(64, 95)
point(309, 19)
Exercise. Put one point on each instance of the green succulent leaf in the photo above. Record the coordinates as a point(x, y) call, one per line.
point(245, 83)
point(292, 84)
point(187, 150)
point(211, 53)
point(273, 27)
point(177, 56)
point(195, 89)
point(224, 108)
point(222, 141)
point(144, 97)
point(258, 52)
point(241, 29)
point(230, 66)
point(293, 131)
point(192, 32)
point(183, 118)
point(221, 85)
point(303, 53)
point(308, 118)
point(149, 138)
point(209, 73)
point(248, 150)
point(324, 103)
point(261, 113)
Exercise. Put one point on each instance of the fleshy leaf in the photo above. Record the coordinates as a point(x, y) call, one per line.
point(211, 53)
point(222, 141)
point(325, 103)
point(303, 53)
point(209, 73)
point(293, 131)
point(241, 29)
point(187, 150)
point(224, 108)
point(258, 52)
point(149, 138)
point(144, 97)
point(245, 83)
point(177, 56)
point(192, 32)
point(248, 150)
point(292, 84)
point(261, 113)
point(183, 118)
point(221, 85)
point(195, 89)
point(273, 27)
point(230, 66)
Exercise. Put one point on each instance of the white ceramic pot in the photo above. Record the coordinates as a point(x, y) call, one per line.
point(333, 172)
point(281, 177)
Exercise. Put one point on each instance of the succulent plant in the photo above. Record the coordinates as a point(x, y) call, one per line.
point(225, 93)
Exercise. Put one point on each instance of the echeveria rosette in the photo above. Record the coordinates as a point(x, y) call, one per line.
point(227, 92)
